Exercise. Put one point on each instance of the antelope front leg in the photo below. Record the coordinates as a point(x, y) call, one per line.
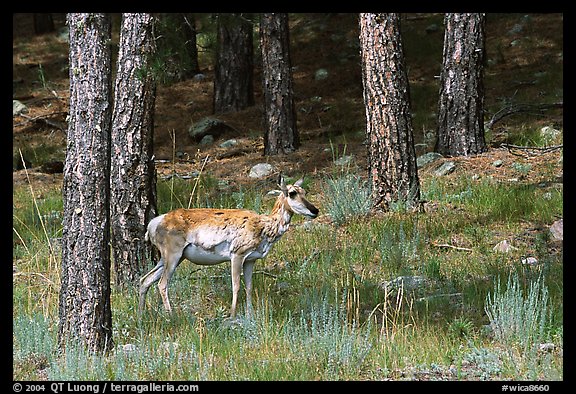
point(236, 268)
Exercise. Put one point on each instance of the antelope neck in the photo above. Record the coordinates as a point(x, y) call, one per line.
point(281, 216)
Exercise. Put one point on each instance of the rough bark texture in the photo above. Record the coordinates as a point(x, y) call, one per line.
point(391, 154)
point(233, 89)
point(84, 305)
point(280, 132)
point(132, 182)
point(460, 108)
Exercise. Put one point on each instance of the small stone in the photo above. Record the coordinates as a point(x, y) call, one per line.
point(18, 108)
point(557, 230)
point(207, 140)
point(261, 170)
point(497, 163)
point(199, 77)
point(408, 283)
point(209, 126)
point(321, 74)
point(445, 168)
point(427, 158)
point(229, 143)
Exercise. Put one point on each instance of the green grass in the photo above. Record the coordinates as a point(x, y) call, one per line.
point(321, 310)
point(38, 154)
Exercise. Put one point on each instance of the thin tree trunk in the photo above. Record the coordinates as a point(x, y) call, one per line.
point(132, 182)
point(189, 32)
point(233, 79)
point(176, 45)
point(280, 131)
point(391, 154)
point(84, 306)
point(461, 103)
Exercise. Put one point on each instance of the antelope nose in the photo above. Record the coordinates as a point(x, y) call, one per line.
point(314, 211)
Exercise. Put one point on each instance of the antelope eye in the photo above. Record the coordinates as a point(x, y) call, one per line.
point(292, 193)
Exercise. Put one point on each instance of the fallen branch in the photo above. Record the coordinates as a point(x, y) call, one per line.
point(451, 246)
point(516, 108)
point(536, 150)
point(266, 273)
point(540, 148)
point(176, 175)
point(44, 119)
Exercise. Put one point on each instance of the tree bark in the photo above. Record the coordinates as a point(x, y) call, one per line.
point(391, 154)
point(233, 79)
point(84, 303)
point(280, 131)
point(132, 181)
point(461, 103)
point(189, 33)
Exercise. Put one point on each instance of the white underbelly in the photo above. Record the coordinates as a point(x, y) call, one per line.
point(221, 253)
point(198, 255)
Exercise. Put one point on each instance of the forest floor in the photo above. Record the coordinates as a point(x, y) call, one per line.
point(525, 66)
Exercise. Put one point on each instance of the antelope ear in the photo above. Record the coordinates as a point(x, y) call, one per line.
point(282, 184)
point(299, 182)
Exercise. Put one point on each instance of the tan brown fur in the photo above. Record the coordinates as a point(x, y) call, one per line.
point(212, 236)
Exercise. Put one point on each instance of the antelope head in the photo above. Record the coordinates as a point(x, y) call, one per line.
point(295, 197)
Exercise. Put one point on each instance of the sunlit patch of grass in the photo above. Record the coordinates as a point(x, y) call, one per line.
point(322, 310)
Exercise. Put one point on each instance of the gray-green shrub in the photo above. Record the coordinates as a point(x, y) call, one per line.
point(516, 319)
point(347, 197)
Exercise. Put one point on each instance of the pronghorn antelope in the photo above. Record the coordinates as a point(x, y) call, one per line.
point(213, 236)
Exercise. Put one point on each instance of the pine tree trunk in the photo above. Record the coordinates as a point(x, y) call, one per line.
point(132, 182)
point(391, 154)
point(84, 306)
point(233, 90)
point(176, 45)
point(189, 32)
point(280, 132)
point(461, 103)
